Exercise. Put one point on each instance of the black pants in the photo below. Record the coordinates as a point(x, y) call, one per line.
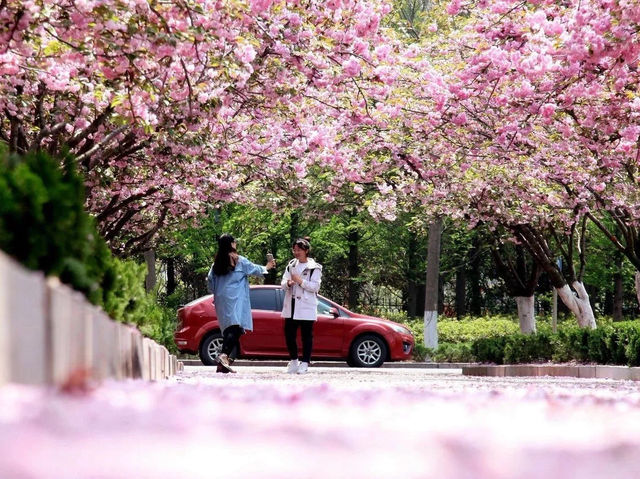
point(231, 339)
point(306, 332)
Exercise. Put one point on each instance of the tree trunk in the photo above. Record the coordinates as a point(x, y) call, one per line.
point(294, 227)
point(475, 289)
point(150, 280)
point(171, 276)
point(431, 292)
point(526, 314)
point(579, 305)
point(537, 245)
point(461, 293)
point(412, 299)
point(354, 269)
point(638, 286)
point(413, 288)
point(618, 291)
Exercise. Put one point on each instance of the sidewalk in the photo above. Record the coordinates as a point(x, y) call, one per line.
point(590, 371)
point(335, 364)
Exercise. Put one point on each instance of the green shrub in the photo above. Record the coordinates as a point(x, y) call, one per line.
point(470, 329)
point(612, 343)
point(44, 226)
point(452, 353)
point(633, 351)
point(42, 220)
point(521, 348)
point(489, 350)
point(420, 352)
point(497, 339)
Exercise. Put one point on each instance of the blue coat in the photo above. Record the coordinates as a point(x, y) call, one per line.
point(231, 294)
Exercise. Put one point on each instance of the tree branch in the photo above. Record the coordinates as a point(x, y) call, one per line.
point(92, 128)
point(104, 141)
point(113, 208)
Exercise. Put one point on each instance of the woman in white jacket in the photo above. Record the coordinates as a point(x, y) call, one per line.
point(301, 282)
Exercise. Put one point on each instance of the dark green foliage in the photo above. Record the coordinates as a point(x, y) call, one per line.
point(42, 220)
point(521, 348)
point(473, 340)
point(489, 350)
point(452, 352)
point(44, 226)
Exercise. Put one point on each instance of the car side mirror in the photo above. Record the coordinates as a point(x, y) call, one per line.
point(334, 312)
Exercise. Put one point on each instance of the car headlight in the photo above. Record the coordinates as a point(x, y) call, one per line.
point(400, 329)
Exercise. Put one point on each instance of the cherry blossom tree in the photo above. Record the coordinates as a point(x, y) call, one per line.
point(527, 119)
point(169, 106)
point(565, 77)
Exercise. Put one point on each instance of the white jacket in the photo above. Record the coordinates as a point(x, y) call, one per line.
point(306, 304)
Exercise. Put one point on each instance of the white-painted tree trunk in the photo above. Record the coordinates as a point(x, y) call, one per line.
point(638, 286)
point(431, 286)
point(578, 305)
point(431, 329)
point(526, 314)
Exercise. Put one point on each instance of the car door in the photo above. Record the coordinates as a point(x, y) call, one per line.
point(267, 337)
point(328, 331)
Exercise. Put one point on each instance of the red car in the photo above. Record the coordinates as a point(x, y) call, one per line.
point(363, 341)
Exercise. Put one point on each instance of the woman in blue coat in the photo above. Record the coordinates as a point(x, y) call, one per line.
point(229, 283)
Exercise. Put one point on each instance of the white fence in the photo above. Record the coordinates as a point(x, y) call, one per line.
point(50, 334)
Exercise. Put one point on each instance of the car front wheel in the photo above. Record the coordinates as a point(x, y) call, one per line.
point(368, 351)
point(210, 348)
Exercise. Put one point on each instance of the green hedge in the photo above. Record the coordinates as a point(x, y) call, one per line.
point(44, 226)
point(607, 344)
point(498, 340)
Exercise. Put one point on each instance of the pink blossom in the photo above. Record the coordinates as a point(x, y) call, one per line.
point(453, 8)
point(245, 53)
point(547, 110)
point(352, 67)
point(630, 133)
point(460, 119)
point(259, 6)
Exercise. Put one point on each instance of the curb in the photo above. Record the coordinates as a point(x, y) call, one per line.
point(555, 370)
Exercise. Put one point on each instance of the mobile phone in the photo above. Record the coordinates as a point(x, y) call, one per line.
point(269, 257)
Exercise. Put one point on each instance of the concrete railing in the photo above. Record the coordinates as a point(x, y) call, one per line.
point(50, 334)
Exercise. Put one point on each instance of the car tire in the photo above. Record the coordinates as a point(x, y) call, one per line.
point(210, 348)
point(368, 351)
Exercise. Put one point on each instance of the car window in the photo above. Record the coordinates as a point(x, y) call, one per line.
point(323, 307)
point(280, 296)
point(263, 299)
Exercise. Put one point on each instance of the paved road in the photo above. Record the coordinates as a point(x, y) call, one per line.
point(331, 423)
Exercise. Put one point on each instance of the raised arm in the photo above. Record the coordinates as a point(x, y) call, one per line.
point(251, 269)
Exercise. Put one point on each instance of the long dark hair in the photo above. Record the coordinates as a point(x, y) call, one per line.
point(222, 263)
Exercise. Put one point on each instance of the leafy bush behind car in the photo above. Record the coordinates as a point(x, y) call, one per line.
point(43, 225)
point(497, 339)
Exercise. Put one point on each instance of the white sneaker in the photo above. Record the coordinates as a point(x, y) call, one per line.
point(292, 367)
point(303, 368)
